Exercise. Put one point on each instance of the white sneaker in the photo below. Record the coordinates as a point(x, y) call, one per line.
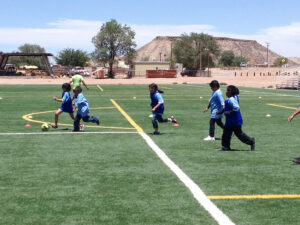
point(209, 138)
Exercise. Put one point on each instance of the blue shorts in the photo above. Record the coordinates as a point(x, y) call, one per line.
point(66, 109)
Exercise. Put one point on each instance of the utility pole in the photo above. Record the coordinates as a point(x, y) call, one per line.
point(268, 53)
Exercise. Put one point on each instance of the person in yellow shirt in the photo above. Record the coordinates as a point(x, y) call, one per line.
point(77, 79)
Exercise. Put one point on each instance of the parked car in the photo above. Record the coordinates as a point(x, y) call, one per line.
point(243, 64)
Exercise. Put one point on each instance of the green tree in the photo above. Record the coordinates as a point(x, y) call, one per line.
point(114, 40)
point(238, 60)
point(71, 57)
point(28, 60)
point(226, 58)
point(280, 61)
point(193, 49)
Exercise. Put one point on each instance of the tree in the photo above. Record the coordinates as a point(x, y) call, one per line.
point(195, 49)
point(28, 60)
point(114, 40)
point(238, 60)
point(227, 58)
point(280, 61)
point(71, 57)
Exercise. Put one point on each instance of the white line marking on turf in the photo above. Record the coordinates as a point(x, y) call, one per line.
point(53, 133)
point(100, 88)
point(199, 195)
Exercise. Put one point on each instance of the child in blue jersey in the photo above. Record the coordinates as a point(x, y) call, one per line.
point(82, 110)
point(216, 104)
point(234, 120)
point(158, 107)
point(66, 105)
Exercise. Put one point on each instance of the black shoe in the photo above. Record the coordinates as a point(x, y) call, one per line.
point(53, 126)
point(297, 161)
point(75, 130)
point(156, 133)
point(224, 149)
point(98, 122)
point(253, 145)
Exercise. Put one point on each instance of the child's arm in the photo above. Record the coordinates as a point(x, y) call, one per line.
point(294, 114)
point(155, 107)
point(57, 99)
point(207, 108)
point(85, 85)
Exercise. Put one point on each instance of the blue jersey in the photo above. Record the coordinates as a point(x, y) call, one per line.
point(82, 105)
point(155, 99)
point(66, 105)
point(234, 118)
point(216, 104)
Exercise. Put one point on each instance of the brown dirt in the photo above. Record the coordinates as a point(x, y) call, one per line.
point(223, 76)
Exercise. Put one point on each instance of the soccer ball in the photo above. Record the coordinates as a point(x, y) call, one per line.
point(45, 127)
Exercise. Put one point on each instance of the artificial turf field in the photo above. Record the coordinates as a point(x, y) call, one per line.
point(114, 177)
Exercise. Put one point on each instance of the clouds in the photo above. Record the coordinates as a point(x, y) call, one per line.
point(78, 34)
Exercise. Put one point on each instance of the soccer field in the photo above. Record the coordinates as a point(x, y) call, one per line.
point(115, 173)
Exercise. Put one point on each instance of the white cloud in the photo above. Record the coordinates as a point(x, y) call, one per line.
point(78, 34)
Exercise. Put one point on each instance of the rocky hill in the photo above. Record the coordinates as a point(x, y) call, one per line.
point(159, 49)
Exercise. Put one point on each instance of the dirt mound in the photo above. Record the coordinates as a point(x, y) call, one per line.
point(159, 49)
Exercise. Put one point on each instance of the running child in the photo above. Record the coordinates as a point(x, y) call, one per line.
point(291, 117)
point(158, 107)
point(66, 105)
point(216, 104)
point(234, 120)
point(82, 110)
point(77, 79)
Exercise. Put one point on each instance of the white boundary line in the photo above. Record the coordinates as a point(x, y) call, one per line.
point(66, 132)
point(199, 195)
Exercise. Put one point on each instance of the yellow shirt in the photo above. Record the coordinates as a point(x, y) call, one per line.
point(76, 79)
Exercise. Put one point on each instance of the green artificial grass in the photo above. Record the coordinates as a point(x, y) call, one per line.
point(118, 179)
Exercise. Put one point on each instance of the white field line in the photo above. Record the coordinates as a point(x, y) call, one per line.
point(56, 133)
point(199, 195)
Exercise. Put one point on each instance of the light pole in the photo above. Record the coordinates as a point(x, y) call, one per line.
point(268, 53)
point(207, 50)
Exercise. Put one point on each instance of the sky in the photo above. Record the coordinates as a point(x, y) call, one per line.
point(59, 24)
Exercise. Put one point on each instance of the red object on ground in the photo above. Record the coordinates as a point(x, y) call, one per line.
point(175, 125)
point(27, 125)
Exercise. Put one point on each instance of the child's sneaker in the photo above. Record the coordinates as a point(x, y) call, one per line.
point(156, 133)
point(98, 122)
point(173, 120)
point(209, 138)
point(253, 145)
point(53, 126)
point(296, 160)
point(81, 126)
point(224, 149)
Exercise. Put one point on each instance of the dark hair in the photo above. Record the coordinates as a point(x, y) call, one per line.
point(78, 89)
point(66, 86)
point(155, 87)
point(233, 90)
point(214, 83)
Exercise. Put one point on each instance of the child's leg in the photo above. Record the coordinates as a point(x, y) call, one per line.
point(76, 122)
point(220, 123)
point(242, 136)
point(212, 127)
point(72, 115)
point(154, 122)
point(226, 137)
point(162, 119)
point(57, 113)
point(91, 119)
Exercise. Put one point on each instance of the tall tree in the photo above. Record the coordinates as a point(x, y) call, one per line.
point(114, 40)
point(280, 61)
point(227, 58)
point(28, 60)
point(71, 57)
point(195, 51)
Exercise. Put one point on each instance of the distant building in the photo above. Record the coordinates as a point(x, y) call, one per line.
point(140, 67)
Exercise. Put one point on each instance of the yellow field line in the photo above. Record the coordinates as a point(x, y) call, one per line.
point(281, 106)
point(100, 88)
point(26, 117)
point(127, 117)
point(237, 197)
